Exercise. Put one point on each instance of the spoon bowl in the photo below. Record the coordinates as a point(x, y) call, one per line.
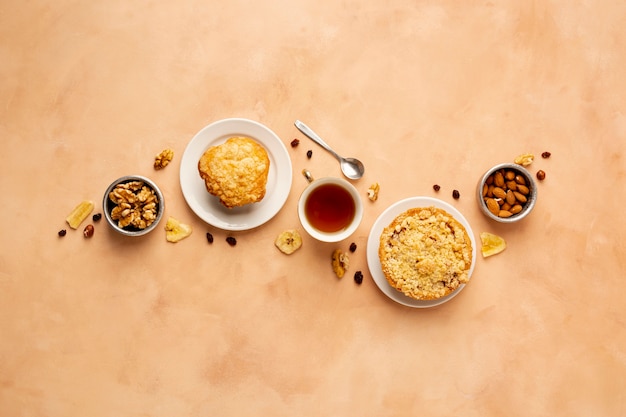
point(352, 168)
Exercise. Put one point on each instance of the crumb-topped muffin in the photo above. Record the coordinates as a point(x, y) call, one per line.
point(425, 253)
point(235, 171)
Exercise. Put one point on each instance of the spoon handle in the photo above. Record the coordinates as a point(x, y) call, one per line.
point(313, 136)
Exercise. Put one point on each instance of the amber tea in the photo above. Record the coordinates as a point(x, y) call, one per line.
point(330, 208)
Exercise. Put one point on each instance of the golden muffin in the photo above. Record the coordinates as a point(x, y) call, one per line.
point(425, 253)
point(235, 171)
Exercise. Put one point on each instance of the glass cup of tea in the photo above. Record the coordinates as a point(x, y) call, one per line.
point(330, 209)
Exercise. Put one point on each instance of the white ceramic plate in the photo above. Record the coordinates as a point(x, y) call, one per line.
point(207, 206)
point(373, 240)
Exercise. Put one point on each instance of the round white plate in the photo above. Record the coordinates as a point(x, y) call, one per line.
point(373, 242)
point(207, 206)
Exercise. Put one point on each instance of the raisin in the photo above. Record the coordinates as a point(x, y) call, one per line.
point(62, 232)
point(231, 241)
point(456, 194)
point(436, 187)
point(295, 143)
point(209, 237)
point(358, 277)
point(96, 217)
point(546, 155)
point(352, 247)
point(309, 154)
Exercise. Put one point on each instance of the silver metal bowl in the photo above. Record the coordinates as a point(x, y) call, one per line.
point(108, 205)
point(531, 197)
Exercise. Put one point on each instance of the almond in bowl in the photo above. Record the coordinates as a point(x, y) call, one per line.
point(506, 193)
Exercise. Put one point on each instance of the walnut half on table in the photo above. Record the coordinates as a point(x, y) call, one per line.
point(163, 159)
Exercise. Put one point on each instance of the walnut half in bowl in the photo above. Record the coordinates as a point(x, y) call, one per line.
point(133, 205)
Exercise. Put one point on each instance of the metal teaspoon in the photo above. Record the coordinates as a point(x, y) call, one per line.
point(351, 167)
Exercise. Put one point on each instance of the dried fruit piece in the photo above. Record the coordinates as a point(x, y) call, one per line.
point(372, 192)
point(176, 231)
point(231, 241)
point(96, 217)
point(358, 277)
point(456, 195)
point(209, 237)
point(309, 154)
point(288, 241)
point(62, 232)
point(436, 187)
point(491, 244)
point(525, 159)
point(295, 142)
point(352, 247)
point(80, 213)
point(340, 262)
point(88, 231)
point(163, 158)
point(546, 155)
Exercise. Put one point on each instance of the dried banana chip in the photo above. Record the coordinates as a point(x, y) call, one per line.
point(491, 244)
point(288, 241)
point(176, 231)
point(80, 213)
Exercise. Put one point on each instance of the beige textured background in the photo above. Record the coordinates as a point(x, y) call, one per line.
point(423, 92)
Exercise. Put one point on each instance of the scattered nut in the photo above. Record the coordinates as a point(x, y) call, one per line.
point(525, 159)
point(506, 193)
point(62, 232)
point(136, 205)
point(288, 241)
point(309, 154)
point(358, 277)
point(163, 159)
point(209, 237)
point(176, 231)
point(455, 194)
point(340, 262)
point(436, 187)
point(231, 241)
point(546, 155)
point(295, 142)
point(541, 175)
point(96, 217)
point(372, 192)
point(352, 247)
point(88, 231)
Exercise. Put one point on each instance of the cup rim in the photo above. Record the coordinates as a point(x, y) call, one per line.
point(334, 236)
